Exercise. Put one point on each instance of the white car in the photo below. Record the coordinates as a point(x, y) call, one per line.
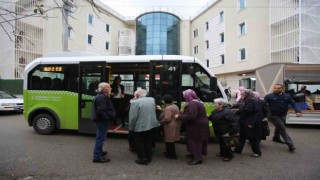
point(9, 102)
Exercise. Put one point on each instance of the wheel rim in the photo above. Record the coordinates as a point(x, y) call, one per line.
point(43, 124)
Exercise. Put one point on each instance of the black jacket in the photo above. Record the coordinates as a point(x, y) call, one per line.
point(102, 108)
point(115, 88)
point(278, 104)
point(224, 121)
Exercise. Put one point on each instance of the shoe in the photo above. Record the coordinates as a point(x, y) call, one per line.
point(123, 125)
point(218, 155)
point(255, 155)
point(189, 156)
point(278, 140)
point(170, 156)
point(194, 162)
point(292, 149)
point(141, 162)
point(104, 153)
point(102, 160)
point(226, 159)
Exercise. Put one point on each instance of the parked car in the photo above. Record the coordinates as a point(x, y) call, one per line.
point(9, 102)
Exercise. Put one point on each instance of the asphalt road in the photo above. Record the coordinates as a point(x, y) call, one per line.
point(25, 154)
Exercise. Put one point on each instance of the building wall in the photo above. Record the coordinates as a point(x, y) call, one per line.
point(81, 29)
point(255, 41)
point(185, 38)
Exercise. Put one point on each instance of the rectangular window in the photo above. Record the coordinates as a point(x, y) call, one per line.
point(195, 50)
point(195, 33)
point(242, 53)
point(90, 39)
point(222, 58)
point(241, 4)
point(90, 19)
point(222, 37)
point(207, 62)
point(107, 27)
point(242, 29)
point(207, 25)
point(107, 45)
point(207, 44)
point(221, 16)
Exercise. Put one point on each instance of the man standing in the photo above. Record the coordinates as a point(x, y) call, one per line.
point(278, 103)
point(142, 121)
point(102, 113)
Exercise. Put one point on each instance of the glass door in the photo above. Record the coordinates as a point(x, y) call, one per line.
point(165, 78)
point(91, 74)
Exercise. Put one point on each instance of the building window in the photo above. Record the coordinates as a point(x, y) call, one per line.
point(241, 4)
point(158, 33)
point(107, 27)
point(195, 33)
point(242, 28)
point(207, 44)
point(242, 53)
point(222, 58)
point(221, 16)
point(90, 39)
point(207, 62)
point(107, 45)
point(90, 19)
point(195, 50)
point(222, 37)
point(207, 25)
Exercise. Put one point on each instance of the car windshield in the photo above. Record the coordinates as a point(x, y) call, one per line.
point(4, 95)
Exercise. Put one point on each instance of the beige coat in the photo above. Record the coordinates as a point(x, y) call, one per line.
point(171, 127)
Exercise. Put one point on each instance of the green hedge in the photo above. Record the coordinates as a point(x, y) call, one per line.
point(13, 86)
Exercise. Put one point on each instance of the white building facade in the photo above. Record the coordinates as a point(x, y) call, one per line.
point(232, 37)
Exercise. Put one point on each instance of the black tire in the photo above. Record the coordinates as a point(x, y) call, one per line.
point(44, 124)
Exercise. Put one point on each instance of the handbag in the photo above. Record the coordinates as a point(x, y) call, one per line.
point(266, 129)
point(231, 141)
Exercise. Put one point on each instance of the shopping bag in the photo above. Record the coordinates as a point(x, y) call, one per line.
point(231, 141)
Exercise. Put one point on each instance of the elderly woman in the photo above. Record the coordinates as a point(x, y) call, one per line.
point(142, 121)
point(224, 122)
point(171, 127)
point(250, 123)
point(196, 123)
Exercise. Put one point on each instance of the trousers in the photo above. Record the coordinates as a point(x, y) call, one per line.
point(280, 130)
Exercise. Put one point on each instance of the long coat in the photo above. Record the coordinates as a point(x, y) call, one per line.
point(171, 127)
point(196, 121)
point(250, 114)
point(142, 115)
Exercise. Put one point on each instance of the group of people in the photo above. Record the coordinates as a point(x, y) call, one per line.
point(246, 121)
point(252, 115)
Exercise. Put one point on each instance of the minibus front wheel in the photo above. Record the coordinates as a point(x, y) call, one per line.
point(44, 124)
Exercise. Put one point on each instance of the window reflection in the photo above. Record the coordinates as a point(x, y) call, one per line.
point(158, 33)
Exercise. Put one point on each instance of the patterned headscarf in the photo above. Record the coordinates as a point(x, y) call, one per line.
point(189, 95)
point(248, 94)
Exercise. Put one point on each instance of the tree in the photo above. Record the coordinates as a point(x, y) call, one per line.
point(9, 16)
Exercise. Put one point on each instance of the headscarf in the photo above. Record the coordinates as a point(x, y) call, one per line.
point(256, 95)
point(190, 95)
point(241, 88)
point(249, 94)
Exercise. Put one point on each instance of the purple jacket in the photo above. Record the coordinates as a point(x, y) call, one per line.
point(196, 121)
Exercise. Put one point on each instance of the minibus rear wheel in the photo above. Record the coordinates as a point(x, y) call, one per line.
point(44, 124)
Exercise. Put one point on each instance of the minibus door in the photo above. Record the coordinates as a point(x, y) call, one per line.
point(91, 74)
point(165, 78)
